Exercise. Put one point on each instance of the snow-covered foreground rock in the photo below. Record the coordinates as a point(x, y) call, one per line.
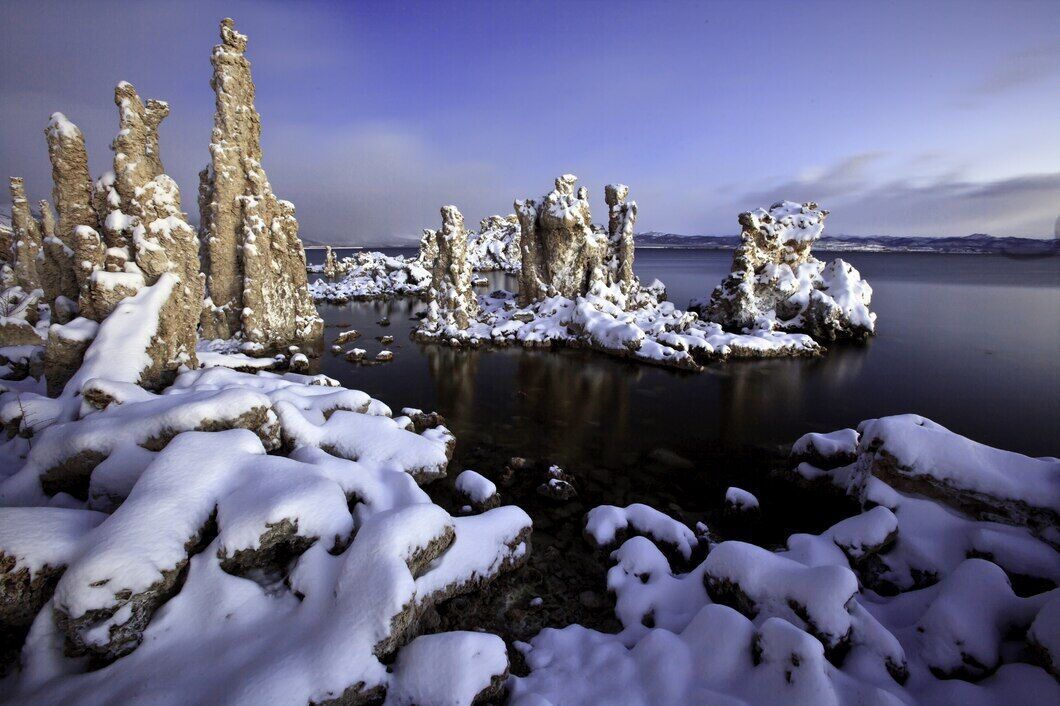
point(777, 285)
point(924, 597)
point(234, 538)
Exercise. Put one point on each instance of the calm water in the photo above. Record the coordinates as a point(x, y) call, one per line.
point(969, 341)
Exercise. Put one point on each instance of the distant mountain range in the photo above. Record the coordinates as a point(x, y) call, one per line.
point(977, 243)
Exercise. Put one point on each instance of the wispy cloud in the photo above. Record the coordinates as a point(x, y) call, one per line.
point(864, 203)
point(1027, 67)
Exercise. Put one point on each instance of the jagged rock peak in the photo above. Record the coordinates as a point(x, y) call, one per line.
point(252, 256)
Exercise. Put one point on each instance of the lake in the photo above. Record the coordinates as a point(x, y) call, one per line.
point(969, 341)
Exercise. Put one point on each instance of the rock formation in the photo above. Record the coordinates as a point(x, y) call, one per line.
point(163, 243)
point(254, 261)
point(55, 265)
point(7, 241)
point(331, 263)
point(78, 227)
point(453, 304)
point(496, 244)
point(777, 284)
point(620, 221)
point(428, 248)
point(27, 238)
point(561, 253)
point(564, 254)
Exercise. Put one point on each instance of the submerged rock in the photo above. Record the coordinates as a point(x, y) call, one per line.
point(777, 285)
point(254, 261)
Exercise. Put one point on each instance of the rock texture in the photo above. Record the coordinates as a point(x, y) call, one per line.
point(496, 245)
point(777, 284)
point(27, 238)
point(453, 303)
point(331, 263)
point(561, 253)
point(252, 256)
point(621, 217)
point(78, 227)
point(55, 265)
point(428, 248)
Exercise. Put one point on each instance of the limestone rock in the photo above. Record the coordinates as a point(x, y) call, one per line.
point(331, 263)
point(428, 248)
point(65, 350)
point(453, 304)
point(148, 236)
point(776, 283)
point(561, 253)
point(621, 218)
point(253, 258)
point(496, 245)
point(78, 227)
point(7, 241)
point(27, 238)
point(18, 314)
point(56, 268)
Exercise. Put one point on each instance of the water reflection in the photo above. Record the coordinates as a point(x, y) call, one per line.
point(975, 358)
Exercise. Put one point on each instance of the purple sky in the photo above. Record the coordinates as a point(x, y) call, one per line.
point(902, 118)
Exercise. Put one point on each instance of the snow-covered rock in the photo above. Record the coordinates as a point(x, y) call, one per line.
point(740, 500)
point(914, 454)
point(577, 288)
point(479, 491)
point(374, 275)
point(495, 246)
point(273, 520)
point(776, 284)
point(836, 448)
point(607, 524)
point(452, 303)
point(804, 625)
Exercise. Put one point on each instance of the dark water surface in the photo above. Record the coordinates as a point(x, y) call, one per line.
point(969, 341)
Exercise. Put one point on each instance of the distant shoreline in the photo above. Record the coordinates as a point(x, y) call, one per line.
point(1042, 248)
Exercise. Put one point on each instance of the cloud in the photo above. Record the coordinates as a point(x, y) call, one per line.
point(943, 205)
point(1019, 70)
point(378, 183)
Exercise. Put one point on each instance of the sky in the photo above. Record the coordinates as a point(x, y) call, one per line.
point(901, 118)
